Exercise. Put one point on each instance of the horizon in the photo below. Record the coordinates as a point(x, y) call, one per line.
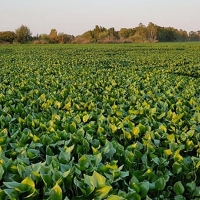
point(77, 17)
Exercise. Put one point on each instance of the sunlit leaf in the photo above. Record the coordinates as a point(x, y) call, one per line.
point(56, 193)
point(102, 191)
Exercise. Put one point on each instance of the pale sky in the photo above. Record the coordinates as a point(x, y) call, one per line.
point(77, 16)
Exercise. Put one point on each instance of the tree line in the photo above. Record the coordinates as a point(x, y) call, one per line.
point(139, 34)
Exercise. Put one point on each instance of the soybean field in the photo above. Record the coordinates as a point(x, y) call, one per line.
point(100, 121)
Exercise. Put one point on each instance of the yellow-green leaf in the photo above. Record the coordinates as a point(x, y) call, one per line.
point(112, 127)
point(177, 156)
point(85, 118)
point(97, 179)
point(27, 183)
point(168, 152)
point(136, 131)
point(114, 197)
point(56, 193)
point(103, 191)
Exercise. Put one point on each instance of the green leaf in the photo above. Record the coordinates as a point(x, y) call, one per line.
point(47, 179)
point(32, 196)
point(135, 186)
point(36, 176)
point(134, 179)
point(190, 133)
point(191, 186)
point(179, 197)
point(160, 184)
point(1, 172)
point(77, 119)
point(56, 193)
point(197, 116)
point(133, 196)
point(177, 168)
point(129, 156)
point(161, 116)
point(148, 198)
point(12, 185)
point(153, 111)
point(81, 132)
point(72, 127)
point(97, 179)
point(46, 140)
point(102, 192)
point(138, 153)
point(114, 197)
point(21, 169)
point(2, 194)
point(27, 184)
point(3, 139)
point(65, 174)
point(12, 194)
point(83, 162)
point(78, 183)
point(178, 188)
point(65, 155)
point(56, 176)
point(32, 153)
point(119, 113)
point(196, 192)
point(144, 188)
point(97, 158)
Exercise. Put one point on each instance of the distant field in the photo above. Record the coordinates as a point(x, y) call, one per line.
point(114, 121)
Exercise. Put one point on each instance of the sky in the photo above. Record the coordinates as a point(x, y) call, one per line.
point(77, 16)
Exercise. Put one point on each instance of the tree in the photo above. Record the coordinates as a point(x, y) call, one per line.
point(171, 34)
point(53, 36)
point(151, 32)
point(88, 35)
point(23, 34)
point(113, 34)
point(103, 35)
point(124, 33)
point(167, 34)
point(44, 39)
point(182, 35)
point(7, 36)
point(140, 34)
point(64, 38)
point(194, 36)
point(161, 34)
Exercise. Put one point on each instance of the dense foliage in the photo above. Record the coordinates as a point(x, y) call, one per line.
point(100, 122)
point(140, 34)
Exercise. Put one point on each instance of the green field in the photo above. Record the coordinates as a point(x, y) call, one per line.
point(100, 121)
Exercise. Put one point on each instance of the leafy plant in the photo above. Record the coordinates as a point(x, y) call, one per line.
point(77, 123)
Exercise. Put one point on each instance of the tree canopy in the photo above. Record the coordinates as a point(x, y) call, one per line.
point(139, 34)
point(23, 34)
